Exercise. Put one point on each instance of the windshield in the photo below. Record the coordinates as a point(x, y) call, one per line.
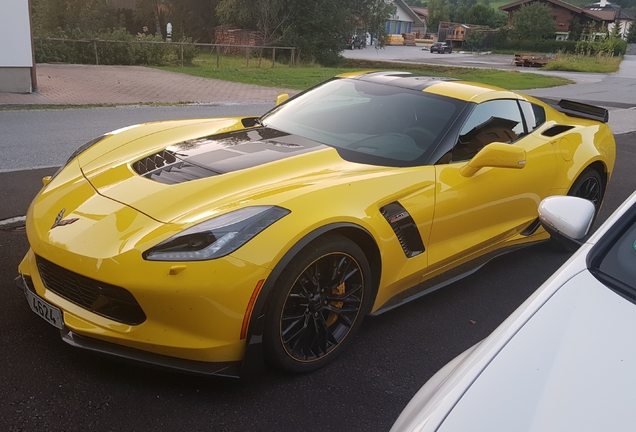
point(613, 259)
point(369, 122)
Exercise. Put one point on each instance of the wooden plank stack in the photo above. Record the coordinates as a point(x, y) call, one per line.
point(230, 36)
point(409, 39)
point(531, 60)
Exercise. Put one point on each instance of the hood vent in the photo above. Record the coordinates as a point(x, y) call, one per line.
point(154, 162)
point(165, 167)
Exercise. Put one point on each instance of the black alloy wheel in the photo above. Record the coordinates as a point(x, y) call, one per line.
point(322, 299)
point(589, 186)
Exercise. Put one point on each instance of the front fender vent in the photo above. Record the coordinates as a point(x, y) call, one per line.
point(404, 228)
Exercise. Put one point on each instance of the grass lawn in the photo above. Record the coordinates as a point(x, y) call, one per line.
point(577, 63)
point(233, 68)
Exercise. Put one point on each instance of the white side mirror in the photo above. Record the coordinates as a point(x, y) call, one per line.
point(566, 216)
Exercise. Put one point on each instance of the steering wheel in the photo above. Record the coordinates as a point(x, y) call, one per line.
point(422, 137)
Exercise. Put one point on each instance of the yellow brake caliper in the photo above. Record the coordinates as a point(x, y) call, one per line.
point(339, 290)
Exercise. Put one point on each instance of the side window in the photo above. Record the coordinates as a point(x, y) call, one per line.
point(492, 121)
point(533, 114)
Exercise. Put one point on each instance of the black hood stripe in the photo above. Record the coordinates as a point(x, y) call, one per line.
point(223, 153)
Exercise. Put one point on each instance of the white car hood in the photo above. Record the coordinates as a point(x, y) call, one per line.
point(569, 368)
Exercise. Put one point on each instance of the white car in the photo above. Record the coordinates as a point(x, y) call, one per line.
point(565, 360)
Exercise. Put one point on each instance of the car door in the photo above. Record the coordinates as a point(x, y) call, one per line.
point(475, 212)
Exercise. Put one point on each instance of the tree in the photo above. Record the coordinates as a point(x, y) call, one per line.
point(88, 17)
point(318, 28)
point(195, 19)
point(474, 40)
point(533, 22)
point(372, 16)
point(148, 11)
point(575, 29)
point(482, 14)
point(631, 33)
point(616, 30)
point(437, 12)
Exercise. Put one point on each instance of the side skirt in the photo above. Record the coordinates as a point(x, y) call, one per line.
point(446, 278)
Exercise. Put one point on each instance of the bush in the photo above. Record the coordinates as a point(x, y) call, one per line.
point(541, 46)
point(127, 50)
point(606, 45)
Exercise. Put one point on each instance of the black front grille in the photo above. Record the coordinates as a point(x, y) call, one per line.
point(103, 299)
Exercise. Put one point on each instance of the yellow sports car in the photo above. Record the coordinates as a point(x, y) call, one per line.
point(207, 245)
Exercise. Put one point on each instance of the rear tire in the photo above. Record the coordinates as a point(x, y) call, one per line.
point(317, 305)
point(590, 186)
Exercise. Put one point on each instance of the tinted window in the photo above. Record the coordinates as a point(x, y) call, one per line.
point(619, 260)
point(369, 122)
point(533, 114)
point(493, 121)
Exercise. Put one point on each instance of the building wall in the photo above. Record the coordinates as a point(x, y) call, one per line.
point(399, 21)
point(16, 55)
point(625, 24)
point(562, 18)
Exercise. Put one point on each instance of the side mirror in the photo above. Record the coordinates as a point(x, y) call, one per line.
point(495, 155)
point(567, 219)
point(281, 98)
point(46, 180)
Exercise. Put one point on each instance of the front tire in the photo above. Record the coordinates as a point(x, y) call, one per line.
point(317, 305)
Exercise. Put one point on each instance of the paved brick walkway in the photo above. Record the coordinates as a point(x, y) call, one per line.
point(62, 84)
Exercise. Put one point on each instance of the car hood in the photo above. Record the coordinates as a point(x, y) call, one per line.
point(570, 367)
point(187, 171)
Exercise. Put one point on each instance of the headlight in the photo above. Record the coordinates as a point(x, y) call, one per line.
point(216, 237)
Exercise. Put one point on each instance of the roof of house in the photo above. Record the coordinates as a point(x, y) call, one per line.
point(416, 19)
point(559, 3)
point(511, 6)
point(608, 12)
point(421, 12)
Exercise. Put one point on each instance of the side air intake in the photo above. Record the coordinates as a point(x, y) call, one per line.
point(404, 228)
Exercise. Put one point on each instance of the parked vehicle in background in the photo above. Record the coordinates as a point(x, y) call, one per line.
point(441, 47)
point(565, 359)
point(356, 41)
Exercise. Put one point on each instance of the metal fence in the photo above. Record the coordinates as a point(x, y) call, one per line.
point(219, 49)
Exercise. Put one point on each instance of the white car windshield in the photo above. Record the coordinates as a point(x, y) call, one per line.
point(614, 261)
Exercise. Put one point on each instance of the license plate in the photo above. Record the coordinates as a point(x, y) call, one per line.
point(50, 313)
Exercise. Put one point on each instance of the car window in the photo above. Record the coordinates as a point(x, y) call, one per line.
point(369, 122)
point(533, 114)
point(615, 265)
point(492, 121)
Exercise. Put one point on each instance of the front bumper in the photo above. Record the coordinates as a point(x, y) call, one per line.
point(225, 369)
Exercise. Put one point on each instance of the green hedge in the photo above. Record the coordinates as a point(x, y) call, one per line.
point(541, 46)
point(607, 45)
point(129, 51)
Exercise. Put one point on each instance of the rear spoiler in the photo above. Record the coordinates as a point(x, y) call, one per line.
point(582, 110)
